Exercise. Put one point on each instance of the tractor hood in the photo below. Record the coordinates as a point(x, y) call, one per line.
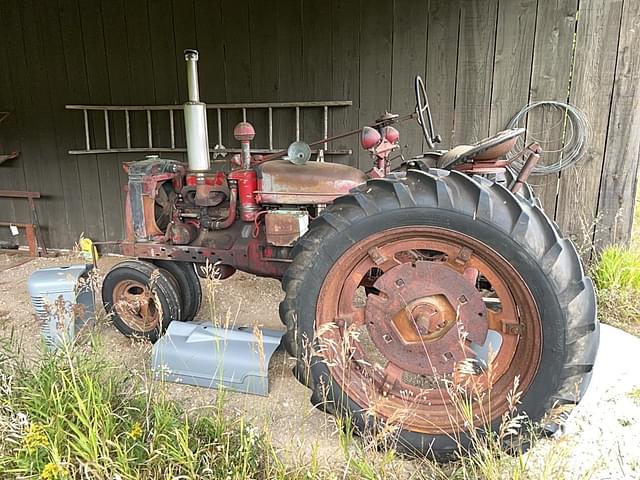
point(282, 182)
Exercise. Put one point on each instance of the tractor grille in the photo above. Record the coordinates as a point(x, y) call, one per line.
point(40, 307)
point(57, 299)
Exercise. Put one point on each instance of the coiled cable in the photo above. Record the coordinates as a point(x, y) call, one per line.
point(574, 130)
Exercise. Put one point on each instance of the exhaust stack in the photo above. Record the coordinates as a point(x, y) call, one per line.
point(195, 118)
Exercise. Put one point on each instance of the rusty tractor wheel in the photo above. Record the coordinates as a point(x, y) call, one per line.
point(416, 295)
point(142, 299)
point(189, 288)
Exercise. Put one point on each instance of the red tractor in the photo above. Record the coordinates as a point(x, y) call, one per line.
point(393, 278)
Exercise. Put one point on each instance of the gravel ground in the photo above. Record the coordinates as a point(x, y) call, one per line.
point(603, 434)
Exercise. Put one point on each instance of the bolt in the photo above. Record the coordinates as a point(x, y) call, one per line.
point(514, 329)
point(400, 283)
point(462, 299)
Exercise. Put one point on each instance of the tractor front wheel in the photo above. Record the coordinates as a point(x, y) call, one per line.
point(141, 298)
point(432, 303)
point(189, 288)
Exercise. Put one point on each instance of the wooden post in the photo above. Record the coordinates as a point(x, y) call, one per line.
point(31, 240)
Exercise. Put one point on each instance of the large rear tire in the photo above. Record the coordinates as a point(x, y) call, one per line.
point(494, 266)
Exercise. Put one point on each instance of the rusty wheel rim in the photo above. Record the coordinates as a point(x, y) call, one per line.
point(136, 305)
point(425, 328)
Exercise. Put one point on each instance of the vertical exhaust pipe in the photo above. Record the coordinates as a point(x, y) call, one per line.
point(195, 119)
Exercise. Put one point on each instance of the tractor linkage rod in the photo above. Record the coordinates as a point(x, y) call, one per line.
point(386, 121)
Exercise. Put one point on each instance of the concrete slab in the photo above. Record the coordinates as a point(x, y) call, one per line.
point(604, 430)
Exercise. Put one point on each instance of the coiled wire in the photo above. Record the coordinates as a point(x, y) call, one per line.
point(574, 134)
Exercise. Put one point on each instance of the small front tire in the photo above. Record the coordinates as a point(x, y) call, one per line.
point(189, 289)
point(141, 298)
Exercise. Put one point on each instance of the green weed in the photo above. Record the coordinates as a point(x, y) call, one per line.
point(618, 268)
point(617, 278)
point(74, 415)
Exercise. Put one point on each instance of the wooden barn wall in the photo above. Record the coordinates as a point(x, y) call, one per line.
point(482, 59)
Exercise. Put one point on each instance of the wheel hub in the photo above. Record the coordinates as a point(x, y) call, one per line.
point(425, 317)
point(136, 305)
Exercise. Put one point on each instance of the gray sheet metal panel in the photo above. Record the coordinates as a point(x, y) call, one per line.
point(63, 300)
point(208, 356)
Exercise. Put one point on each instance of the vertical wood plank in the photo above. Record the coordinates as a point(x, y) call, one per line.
point(475, 70)
point(512, 64)
point(345, 82)
point(212, 69)
point(550, 76)
point(11, 172)
point(210, 42)
point(264, 66)
point(316, 64)
point(117, 50)
point(163, 55)
point(141, 71)
point(185, 32)
point(116, 54)
point(622, 153)
point(410, 18)
point(23, 101)
point(72, 41)
point(41, 128)
point(235, 17)
point(58, 84)
point(596, 47)
point(375, 64)
point(442, 51)
point(290, 75)
point(98, 77)
point(237, 59)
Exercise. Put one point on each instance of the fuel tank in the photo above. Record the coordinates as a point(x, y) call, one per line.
point(284, 183)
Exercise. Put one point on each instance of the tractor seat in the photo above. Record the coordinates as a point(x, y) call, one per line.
point(493, 147)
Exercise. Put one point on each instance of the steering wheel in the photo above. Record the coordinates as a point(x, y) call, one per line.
point(422, 107)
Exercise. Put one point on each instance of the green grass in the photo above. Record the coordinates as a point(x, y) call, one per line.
point(617, 278)
point(618, 268)
point(74, 415)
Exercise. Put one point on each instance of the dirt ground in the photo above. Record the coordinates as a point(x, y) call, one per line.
point(296, 428)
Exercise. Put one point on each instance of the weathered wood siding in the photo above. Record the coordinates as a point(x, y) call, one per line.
point(482, 59)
